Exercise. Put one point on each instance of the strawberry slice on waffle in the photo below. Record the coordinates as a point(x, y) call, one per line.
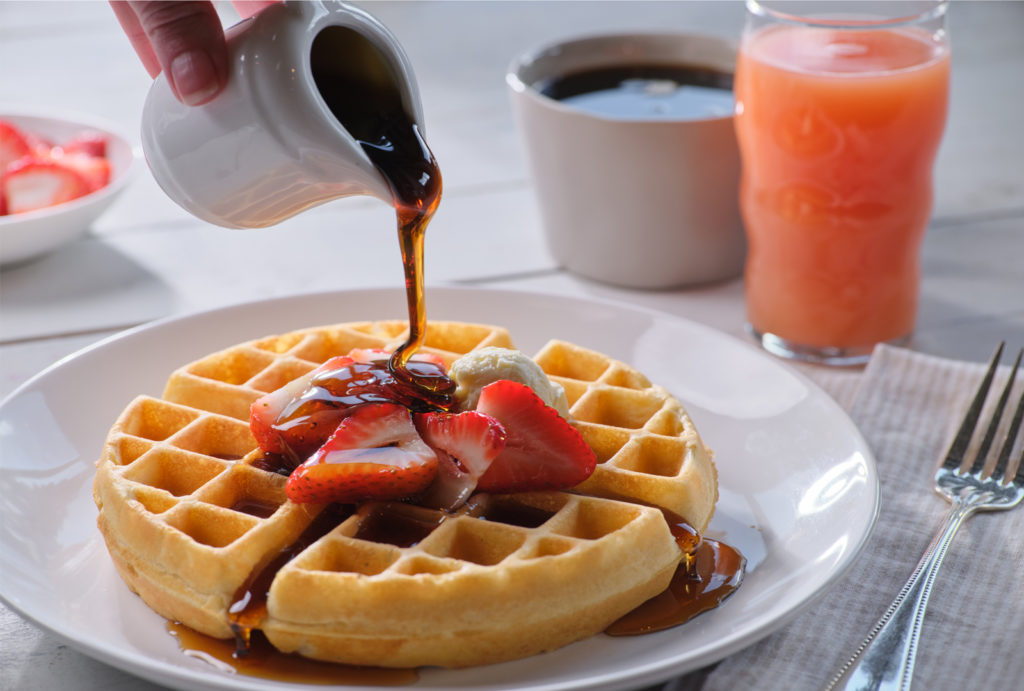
point(374, 454)
point(542, 451)
point(466, 443)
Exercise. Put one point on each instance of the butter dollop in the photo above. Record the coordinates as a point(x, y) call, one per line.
point(478, 368)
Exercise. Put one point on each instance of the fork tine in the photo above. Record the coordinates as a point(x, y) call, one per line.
point(955, 455)
point(1002, 465)
point(993, 425)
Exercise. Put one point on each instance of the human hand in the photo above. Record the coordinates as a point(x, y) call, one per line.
point(185, 40)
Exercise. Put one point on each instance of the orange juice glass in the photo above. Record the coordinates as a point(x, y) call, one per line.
point(838, 119)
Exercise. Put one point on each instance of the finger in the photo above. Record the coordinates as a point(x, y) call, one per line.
point(247, 8)
point(188, 41)
point(133, 30)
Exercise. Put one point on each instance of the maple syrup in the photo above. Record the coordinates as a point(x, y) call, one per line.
point(491, 508)
point(359, 87)
point(249, 605)
point(401, 525)
point(306, 422)
point(266, 662)
point(255, 507)
point(709, 572)
point(271, 462)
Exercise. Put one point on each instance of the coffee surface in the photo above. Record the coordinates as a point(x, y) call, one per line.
point(645, 92)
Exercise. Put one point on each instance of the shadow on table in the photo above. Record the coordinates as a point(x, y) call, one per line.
point(85, 286)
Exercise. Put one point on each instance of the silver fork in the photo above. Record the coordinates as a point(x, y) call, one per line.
point(885, 659)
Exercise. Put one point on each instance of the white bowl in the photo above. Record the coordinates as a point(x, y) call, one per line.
point(32, 233)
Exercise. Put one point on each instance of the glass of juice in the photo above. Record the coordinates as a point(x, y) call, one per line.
point(839, 116)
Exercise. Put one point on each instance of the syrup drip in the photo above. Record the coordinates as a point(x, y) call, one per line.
point(509, 514)
point(265, 662)
point(401, 525)
point(273, 463)
point(709, 572)
point(249, 605)
point(255, 507)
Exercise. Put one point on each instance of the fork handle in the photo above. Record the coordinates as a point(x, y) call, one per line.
point(885, 659)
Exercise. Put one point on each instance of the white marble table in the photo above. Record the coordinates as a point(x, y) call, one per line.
point(148, 259)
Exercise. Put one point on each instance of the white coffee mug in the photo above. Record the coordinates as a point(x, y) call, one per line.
point(268, 146)
point(642, 203)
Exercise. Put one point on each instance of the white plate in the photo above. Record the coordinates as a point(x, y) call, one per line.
point(798, 485)
point(30, 234)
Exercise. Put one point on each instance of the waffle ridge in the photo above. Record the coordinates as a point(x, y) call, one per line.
point(189, 519)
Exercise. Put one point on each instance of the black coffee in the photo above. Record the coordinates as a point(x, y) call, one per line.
point(645, 91)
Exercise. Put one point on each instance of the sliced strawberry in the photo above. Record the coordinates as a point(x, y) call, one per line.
point(466, 444)
point(542, 450)
point(34, 182)
point(95, 169)
point(375, 454)
point(298, 418)
point(13, 145)
point(90, 142)
point(368, 355)
point(265, 410)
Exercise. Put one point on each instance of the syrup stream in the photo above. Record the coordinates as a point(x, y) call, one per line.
point(400, 153)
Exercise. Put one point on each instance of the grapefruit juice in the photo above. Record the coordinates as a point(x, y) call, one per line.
point(838, 130)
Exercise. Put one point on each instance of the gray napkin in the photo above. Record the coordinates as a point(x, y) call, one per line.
point(908, 406)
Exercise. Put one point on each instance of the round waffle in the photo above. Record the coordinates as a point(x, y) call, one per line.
point(198, 528)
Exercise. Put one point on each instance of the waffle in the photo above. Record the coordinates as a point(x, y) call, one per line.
point(193, 521)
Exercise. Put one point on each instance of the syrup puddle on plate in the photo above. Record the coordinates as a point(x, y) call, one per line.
point(265, 662)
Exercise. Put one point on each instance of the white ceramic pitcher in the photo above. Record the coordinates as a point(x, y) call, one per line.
point(268, 146)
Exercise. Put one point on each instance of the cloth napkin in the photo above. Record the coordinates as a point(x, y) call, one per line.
point(908, 406)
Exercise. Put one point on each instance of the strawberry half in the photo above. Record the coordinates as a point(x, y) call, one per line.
point(542, 451)
point(94, 169)
point(264, 411)
point(13, 145)
point(35, 182)
point(375, 454)
point(466, 444)
point(88, 142)
point(298, 418)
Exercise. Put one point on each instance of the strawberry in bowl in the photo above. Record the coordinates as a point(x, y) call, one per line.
point(57, 176)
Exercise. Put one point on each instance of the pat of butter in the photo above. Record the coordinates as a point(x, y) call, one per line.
point(478, 368)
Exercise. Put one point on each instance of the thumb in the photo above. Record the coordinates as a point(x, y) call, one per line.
point(188, 41)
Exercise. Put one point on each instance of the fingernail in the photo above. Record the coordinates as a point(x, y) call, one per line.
point(194, 77)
